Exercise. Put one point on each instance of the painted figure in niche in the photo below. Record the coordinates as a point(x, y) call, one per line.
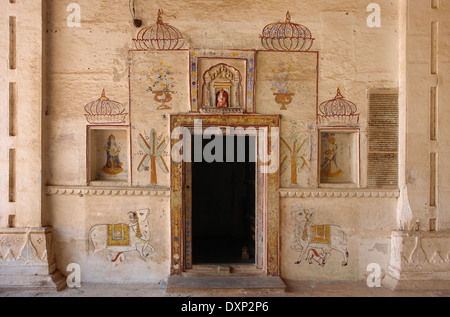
point(153, 155)
point(119, 239)
point(316, 242)
point(222, 99)
point(293, 154)
point(329, 166)
point(113, 164)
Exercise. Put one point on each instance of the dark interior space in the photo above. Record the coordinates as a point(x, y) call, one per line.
point(223, 206)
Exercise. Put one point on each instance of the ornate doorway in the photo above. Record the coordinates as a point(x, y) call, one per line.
point(262, 128)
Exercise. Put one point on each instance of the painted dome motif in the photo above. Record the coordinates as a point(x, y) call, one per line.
point(161, 36)
point(287, 36)
point(104, 110)
point(338, 111)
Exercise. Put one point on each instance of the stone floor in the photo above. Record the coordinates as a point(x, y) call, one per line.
point(294, 289)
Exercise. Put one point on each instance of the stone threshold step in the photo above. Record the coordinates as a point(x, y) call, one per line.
point(205, 283)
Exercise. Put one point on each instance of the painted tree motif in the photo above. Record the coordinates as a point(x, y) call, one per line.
point(293, 154)
point(153, 155)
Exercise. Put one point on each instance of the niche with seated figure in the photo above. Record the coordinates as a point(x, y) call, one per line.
point(107, 161)
point(222, 89)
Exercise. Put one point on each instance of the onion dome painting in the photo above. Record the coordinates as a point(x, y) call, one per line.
point(161, 36)
point(286, 36)
point(104, 110)
point(338, 111)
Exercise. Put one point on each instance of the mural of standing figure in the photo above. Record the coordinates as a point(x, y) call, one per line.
point(317, 241)
point(329, 166)
point(113, 164)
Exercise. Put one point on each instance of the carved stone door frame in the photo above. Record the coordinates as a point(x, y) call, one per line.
point(267, 187)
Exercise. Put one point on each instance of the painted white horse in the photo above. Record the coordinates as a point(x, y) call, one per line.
point(139, 236)
point(306, 238)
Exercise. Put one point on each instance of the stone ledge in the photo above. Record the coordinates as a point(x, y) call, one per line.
point(107, 191)
point(338, 193)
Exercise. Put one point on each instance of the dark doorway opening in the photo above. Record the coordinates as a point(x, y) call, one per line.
point(223, 202)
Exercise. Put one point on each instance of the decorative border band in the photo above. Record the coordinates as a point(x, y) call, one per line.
point(107, 191)
point(165, 191)
point(338, 193)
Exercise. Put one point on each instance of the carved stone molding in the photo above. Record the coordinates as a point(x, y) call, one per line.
point(28, 246)
point(338, 193)
point(107, 191)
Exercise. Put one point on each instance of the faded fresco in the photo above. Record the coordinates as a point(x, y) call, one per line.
point(114, 241)
point(153, 149)
point(339, 157)
point(316, 243)
point(108, 154)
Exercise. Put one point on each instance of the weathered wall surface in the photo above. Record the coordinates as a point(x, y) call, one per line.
point(83, 61)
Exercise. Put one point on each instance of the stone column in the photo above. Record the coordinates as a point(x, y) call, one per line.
point(420, 251)
point(26, 258)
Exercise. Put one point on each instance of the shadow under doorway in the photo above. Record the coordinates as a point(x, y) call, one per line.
point(223, 205)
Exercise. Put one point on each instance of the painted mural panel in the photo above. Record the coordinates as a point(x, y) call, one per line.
point(339, 157)
point(116, 240)
point(287, 84)
point(159, 86)
point(107, 161)
point(291, 73)
point(297, 159)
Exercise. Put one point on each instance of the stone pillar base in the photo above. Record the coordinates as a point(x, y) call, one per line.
point(419, 261)
point(27, 260)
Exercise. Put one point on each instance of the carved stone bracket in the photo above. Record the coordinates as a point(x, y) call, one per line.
point(419, 260)
point(108, 191)
point(27, 260)
point(337, 193)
